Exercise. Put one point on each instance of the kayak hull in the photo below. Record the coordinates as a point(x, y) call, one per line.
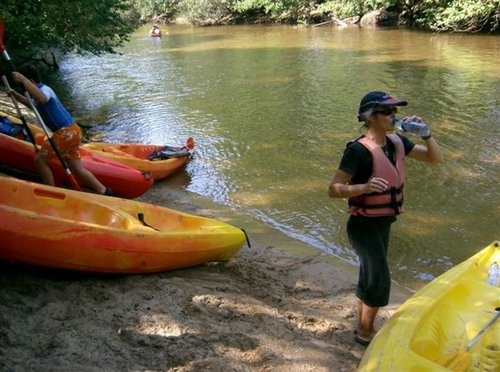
point(125, 181)
point(441, 319)
point(65, 229)
point(137, 156)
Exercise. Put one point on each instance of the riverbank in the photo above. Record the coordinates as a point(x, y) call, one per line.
point(278, 305)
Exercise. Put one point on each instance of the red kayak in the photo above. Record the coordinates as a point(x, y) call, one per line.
point(126, 182)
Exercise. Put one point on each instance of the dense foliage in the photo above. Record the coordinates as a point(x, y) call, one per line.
point(459, 15)
point(99, 26)
point(95, 26)
point(436, 15)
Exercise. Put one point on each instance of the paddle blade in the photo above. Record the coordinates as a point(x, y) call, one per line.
point(2, 46)
point(190, 143)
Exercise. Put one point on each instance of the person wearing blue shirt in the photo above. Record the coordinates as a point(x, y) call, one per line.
point(66, 133)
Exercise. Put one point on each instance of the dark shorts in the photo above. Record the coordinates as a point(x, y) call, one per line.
point(370, 238)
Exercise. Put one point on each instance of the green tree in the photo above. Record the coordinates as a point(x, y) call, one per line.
point(459, 15)
point(206, 11)
point(147, 9)
point(95, 26)
point(100, 26)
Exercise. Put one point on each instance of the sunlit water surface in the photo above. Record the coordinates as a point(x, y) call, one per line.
point(271, 108)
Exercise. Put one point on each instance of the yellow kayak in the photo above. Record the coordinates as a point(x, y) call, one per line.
point(433, 329)
point(65, 229)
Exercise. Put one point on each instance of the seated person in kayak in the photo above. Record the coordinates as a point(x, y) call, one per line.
point(66, 133)
point(155, 31)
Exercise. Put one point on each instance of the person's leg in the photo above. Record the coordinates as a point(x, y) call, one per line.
point(68, 140)
point(42, 166)
point(366, 328)
point(370, 242)
point(360, 312)
point(366, 319)
point(86, 176)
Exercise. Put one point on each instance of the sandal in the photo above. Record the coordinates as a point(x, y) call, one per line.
point(361, 340)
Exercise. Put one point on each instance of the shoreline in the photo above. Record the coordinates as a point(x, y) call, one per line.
point(278, 305)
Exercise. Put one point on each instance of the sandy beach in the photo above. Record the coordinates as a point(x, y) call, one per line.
point(279, 305)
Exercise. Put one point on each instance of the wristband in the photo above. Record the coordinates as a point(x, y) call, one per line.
point(426, 137)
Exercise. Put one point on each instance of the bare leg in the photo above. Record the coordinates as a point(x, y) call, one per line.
point(79, 171)
point(360, 311)
point(42, 166)
point(366, 317)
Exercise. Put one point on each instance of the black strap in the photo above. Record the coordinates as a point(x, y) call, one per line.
point(390, 191)
point(375, 206)
point(393, 203)
point(396, 205)
point(140, 217)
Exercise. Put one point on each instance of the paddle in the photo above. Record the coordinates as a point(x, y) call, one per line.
point(47, 131)
point(461, 359)
point(26, 129)
point(190, 143)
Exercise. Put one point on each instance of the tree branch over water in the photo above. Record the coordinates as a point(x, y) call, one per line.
point(95, 26)
point(101, 26)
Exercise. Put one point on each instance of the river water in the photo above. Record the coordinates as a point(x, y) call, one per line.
point(271, 108)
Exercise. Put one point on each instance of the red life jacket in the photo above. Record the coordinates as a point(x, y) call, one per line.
point(389, 202)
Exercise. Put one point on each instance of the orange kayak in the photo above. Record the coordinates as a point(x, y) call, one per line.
point(65, 229)
point(125, 181)
point(160, 161)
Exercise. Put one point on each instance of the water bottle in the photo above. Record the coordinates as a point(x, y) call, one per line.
point(493, 274)
point(414, 127)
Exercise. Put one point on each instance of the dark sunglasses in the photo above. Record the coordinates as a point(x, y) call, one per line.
point(386, 110)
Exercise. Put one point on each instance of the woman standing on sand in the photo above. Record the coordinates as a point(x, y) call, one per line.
point(371, 175)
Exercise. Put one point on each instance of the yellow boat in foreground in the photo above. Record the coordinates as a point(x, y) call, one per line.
point(65, 229)
point(436, 323)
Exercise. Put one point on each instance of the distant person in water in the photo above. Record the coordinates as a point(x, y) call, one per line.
point(155, 31)
point(66, 133)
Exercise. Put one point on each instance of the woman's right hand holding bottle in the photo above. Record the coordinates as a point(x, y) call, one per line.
point(412, 124)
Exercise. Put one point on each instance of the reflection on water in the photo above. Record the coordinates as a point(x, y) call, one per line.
point(271, 108)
